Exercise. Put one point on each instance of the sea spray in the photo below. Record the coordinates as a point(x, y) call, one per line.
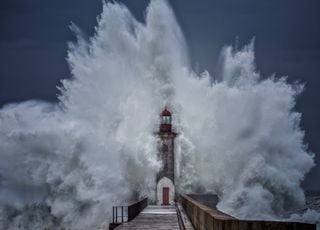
point(248, 145)
point(70, 162)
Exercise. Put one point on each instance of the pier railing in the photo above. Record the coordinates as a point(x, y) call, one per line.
point(204, 217)
point(136, 208)
point(119, 214)
point(122, 214)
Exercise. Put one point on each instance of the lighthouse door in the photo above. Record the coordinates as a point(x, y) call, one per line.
point(165, 198)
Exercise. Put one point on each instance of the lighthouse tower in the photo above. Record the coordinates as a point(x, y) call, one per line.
point(165, 178)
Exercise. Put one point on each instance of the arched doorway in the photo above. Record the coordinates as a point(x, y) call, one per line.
point(165, 192)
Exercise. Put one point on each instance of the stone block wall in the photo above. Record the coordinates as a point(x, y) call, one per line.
point(206, 218)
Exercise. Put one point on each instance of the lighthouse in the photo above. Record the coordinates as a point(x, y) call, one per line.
point(165, 177)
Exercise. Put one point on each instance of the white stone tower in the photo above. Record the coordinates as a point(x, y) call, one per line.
point(165, 178)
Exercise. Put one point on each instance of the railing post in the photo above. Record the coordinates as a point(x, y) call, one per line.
point(121, 214)
point(112, 214)
point(116, 214)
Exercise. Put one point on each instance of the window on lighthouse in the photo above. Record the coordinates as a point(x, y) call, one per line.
point(166, 120)
point(165, 148)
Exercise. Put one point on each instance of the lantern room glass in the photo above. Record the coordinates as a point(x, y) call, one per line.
point(166, 120)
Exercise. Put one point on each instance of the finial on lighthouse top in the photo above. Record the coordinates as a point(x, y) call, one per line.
point(166, 112)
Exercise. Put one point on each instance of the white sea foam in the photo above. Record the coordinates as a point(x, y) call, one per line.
point(239, 137)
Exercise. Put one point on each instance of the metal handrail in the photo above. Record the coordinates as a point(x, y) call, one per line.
point(136, 208)
point(121, 215)
point(127, 213)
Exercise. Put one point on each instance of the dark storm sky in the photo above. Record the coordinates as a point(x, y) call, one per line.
point(34, 35)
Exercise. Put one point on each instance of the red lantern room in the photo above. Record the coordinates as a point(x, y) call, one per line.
point(165, 126)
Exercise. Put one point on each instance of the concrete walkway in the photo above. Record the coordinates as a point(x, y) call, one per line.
point(154, 217)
